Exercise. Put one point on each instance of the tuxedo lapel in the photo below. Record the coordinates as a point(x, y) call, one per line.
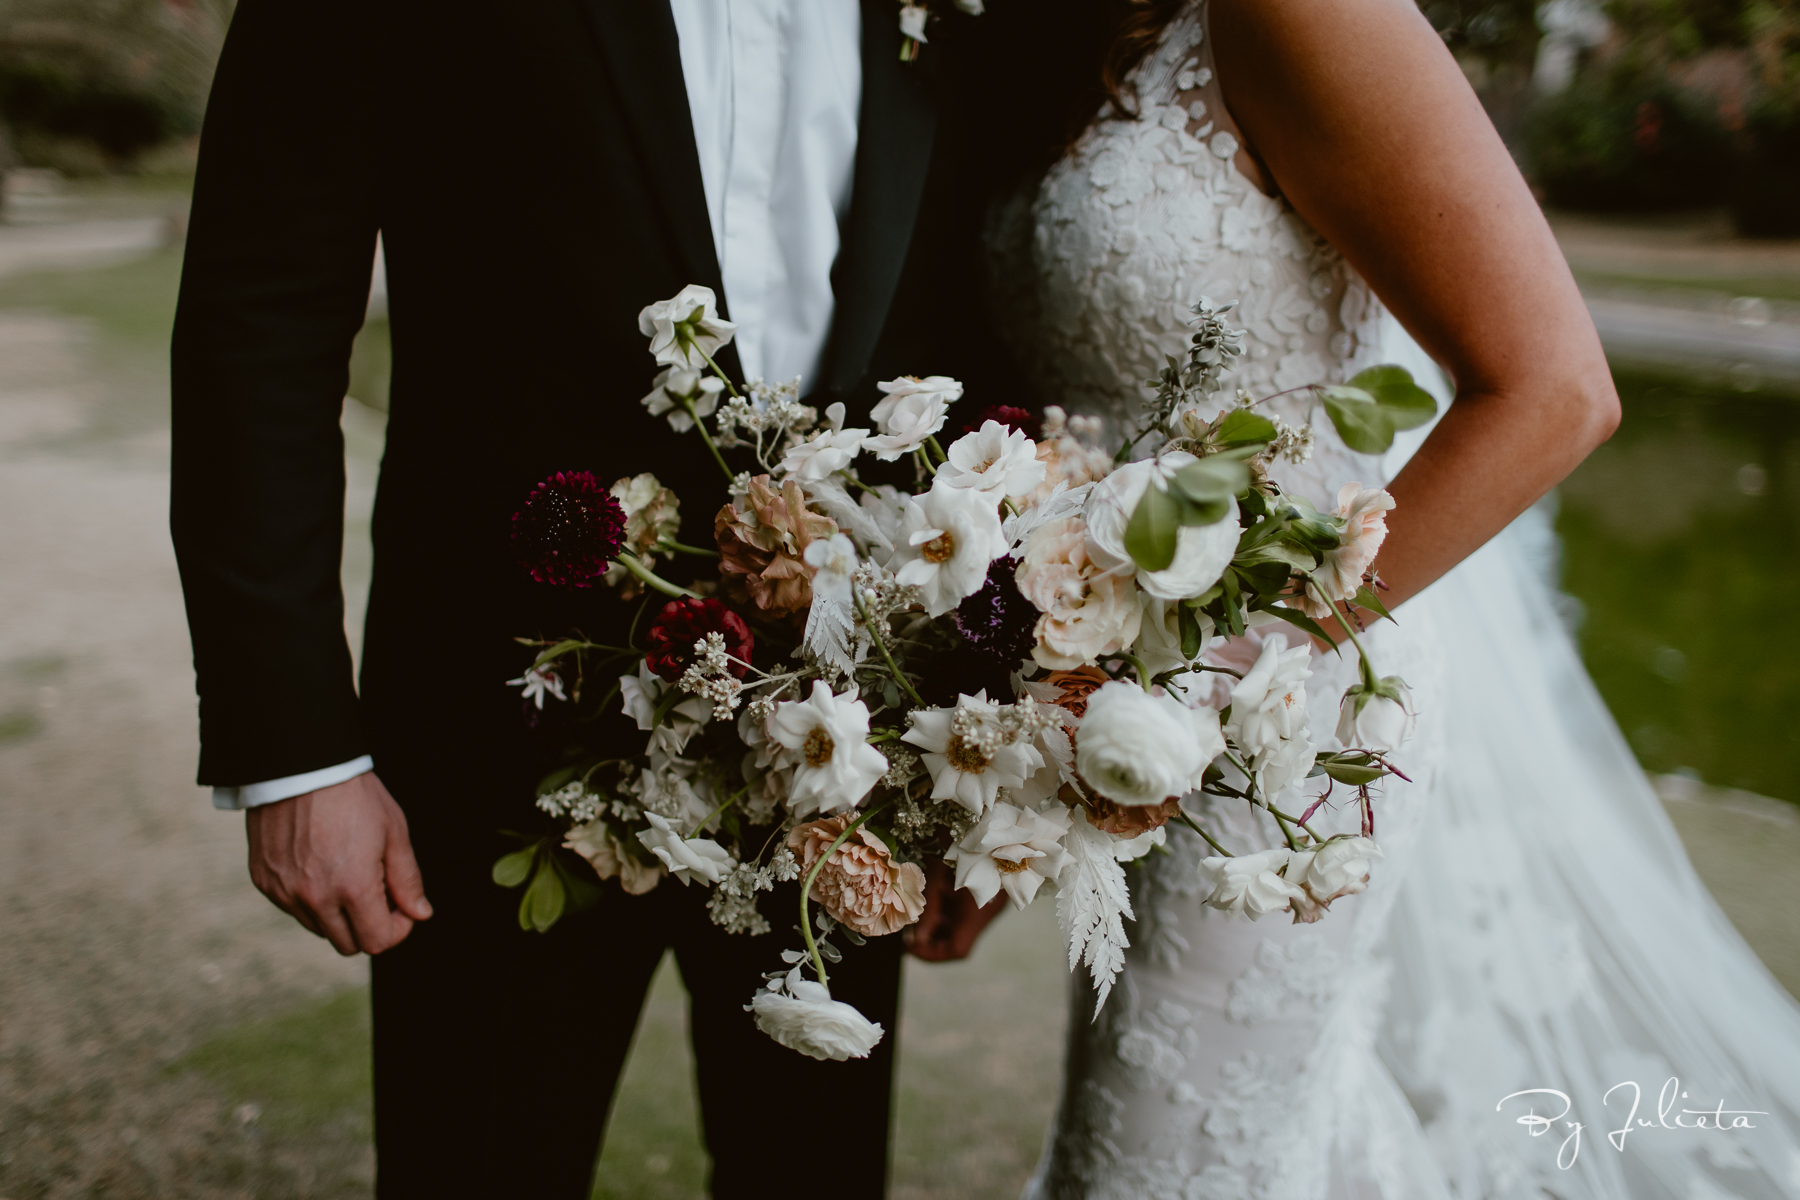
point(639, 44)
point(893, 149)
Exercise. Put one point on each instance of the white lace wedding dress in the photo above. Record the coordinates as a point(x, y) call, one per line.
point(1535, 923)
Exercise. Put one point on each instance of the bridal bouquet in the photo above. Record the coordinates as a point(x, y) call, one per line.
point(1014, 660)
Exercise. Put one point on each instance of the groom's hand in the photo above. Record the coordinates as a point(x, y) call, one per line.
point(952, 921)
point(339, 861)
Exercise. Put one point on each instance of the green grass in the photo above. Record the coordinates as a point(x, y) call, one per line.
point(132, 304)
point(303, 1069)
point(1769, 287)
point(1679, 540)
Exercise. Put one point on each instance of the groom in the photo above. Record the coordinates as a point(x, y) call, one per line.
point(538, 172)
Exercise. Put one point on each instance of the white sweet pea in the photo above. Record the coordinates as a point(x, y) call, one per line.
point(1338, 868)
point(639, 695)
point(833, 560)
point(966, 755)
point(686, 328)
point(1250, 884)
point(912, 21)
point(1202, 552)
point(825, 452)
point(688, 859)
point(1381, 719)
point(539, 682)
point(947, 539)
point(835, 765)
point(911, 411)
point(1011, 848)
point(1268, 705)
point(1138, 748)
point(676, 384)
point(801, 1015)
point(996, 459)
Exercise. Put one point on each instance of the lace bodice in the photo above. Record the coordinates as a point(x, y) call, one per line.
point(1094, 267)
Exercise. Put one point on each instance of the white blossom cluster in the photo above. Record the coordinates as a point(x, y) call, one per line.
point(710, 676)
point(574, 801)
point(732, 906)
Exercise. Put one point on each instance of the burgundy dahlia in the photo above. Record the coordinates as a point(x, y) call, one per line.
point(1021, 419)
point(569, 531)
point(683, 622)
point(996, 620)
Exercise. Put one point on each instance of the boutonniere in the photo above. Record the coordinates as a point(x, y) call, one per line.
point(916, 14)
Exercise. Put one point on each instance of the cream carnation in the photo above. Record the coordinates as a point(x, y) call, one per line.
point(801, 1015)
point(1202, 552)
point(1137, 748)
point(1363, 513)
point(1086, 611)
point(860, 886)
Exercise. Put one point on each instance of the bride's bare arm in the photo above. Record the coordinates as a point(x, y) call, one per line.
point(1369, 129)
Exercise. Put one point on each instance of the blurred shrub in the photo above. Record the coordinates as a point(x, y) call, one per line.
point(1626, 141)
point(1765, 196)
point(118, 75)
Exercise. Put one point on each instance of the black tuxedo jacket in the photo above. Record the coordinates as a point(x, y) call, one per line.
point(531, 169)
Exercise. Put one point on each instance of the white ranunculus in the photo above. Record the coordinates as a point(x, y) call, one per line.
point(1138, 748)
point(948, 537)
point(687, 859)
point(961, 770)
point(1011, 848)
point(801, 1015)
point(676, 384)
point(1250, 884)
point(834, 764)
point(1372, 721)
point(911, 411)
point(827, 451)
point(1202, 552)
point(1268, 705)
point(685, 327)
point(1338, 868)
point(995, 459)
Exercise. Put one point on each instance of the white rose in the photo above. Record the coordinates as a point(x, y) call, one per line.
point(959, 770)
point(1372, 721)
point(911, 411)
point(1136, 748)
point(802, 1016)
point(1282, 765)
point(947, 539)
point(1202, 552)
point(1338, 868)
point(687, 859)
point(996, 459)
point(1268, 705)
point(827, 451)
point(1250, 884)
point(683, 328)
point(1011, 848)
point(835, 765)
point(676, 384)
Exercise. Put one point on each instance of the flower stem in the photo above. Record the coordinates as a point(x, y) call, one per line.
point(806, 885)
point(684, 548)
point(1181, 815)
point(706, 437)
point(1281, 816)
point(723, 377)
point(862, 610)
point(650, 578)
point(1143, 672)
point(932, 442)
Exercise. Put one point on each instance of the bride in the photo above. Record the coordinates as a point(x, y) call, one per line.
point(1535, 954)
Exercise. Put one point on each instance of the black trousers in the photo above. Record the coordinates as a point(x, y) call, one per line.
point(497, 1050)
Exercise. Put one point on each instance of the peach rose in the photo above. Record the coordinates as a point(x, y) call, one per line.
point(861, 887)
point(763, 538)
point(1074, 687)
point(1086, 612)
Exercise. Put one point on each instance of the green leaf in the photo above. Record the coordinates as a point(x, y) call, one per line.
point(1353, 769)
point(584, 891)
point(543, 901)
point(1218, 477)
point(1151, 533)
point(1264, 578)
point(1189, 625)
point(1364, 425)
point(1406, 404)
point(1366, 598)
point(1295, 617)
point(1242, 427)
point(510, 871)
point(1290, 556)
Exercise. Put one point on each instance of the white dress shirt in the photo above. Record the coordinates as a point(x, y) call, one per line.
point(775, 90)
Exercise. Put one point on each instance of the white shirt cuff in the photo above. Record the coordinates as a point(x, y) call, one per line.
point(253, 794)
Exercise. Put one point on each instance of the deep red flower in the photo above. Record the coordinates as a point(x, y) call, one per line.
point(569, 531)
point(683, 622)
point(1021, 419)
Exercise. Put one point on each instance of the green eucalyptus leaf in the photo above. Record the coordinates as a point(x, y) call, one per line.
point(510, 871)
point(1366, 598)
point(1363, 424)
point(1406, 404)
point(1151, 534)
point(1242, 427)
point(1216, 477)
point(543, 901)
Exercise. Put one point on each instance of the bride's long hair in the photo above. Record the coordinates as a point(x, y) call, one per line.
point(1140, 23)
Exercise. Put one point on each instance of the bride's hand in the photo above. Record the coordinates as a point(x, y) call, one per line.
point(339, 861)
point(952, 921)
